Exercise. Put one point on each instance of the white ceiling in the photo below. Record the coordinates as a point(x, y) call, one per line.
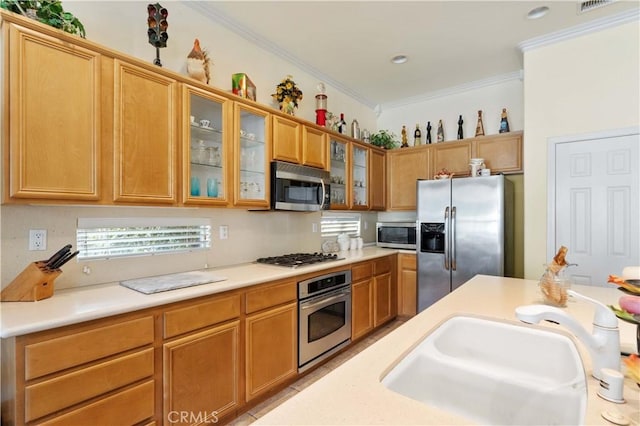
point(349, 44)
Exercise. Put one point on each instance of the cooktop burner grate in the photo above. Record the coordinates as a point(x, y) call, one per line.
point(294, 260)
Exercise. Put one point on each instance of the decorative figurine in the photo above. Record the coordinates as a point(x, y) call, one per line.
point(428, 132)
point(504, 124)
point(321, 105)
point(157, 32)
point(404, 137)
point(198, 63)
point(460, 121)
point(440, 131)
point(417, 136)
point(479, 126)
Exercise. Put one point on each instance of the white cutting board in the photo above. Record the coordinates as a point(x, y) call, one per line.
point(160, 283)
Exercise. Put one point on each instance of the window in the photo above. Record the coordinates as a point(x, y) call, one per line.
point(333, 224)
point(104, 238)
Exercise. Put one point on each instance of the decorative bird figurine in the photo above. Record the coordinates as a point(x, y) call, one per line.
point(198, 63)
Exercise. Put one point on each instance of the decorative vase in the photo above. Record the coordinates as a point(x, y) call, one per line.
point(288, 108)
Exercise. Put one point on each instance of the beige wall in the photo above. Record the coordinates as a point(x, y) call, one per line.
point(586, 84)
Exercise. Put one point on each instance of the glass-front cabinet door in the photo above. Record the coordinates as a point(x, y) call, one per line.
point(251, 162)
point(206, 148)
point(339, 179)
point(360, 178)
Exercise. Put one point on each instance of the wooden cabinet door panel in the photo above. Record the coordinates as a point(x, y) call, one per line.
point(201, 372)
point(271, 348)
point(377, 180)
point(286, 140)
point(145, 145)
point(404, 168)
point(407, 284)
point(502, 154)
point(314, 148)
point(361, 308)
point(54, 118)
point(383, 298)
point(452, 156)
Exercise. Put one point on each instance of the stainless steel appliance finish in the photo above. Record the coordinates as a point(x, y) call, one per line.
point(299, 188)
point(465, 228)
point(324, 317)
point(400, 235)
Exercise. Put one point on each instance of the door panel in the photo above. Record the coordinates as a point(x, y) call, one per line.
point(597, 192)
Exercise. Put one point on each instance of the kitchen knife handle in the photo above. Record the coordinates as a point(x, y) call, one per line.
point(446, 238)
point(453, 238)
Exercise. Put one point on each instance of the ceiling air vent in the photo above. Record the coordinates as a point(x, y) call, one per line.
point(587, 5)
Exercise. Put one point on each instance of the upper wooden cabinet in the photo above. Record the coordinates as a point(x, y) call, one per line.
point(451, 156)
point(206, 147)
point(360, 184)
point(314, 148)
point(377, 180)
point(502, 153)
point(405, 166)
point(340, 173)
point(286, 140)
point(53, 119)
point(145, 135)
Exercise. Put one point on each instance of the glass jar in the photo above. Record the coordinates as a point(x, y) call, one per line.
point(553, 285)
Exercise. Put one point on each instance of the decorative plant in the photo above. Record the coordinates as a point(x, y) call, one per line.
point(287, 93)
point(384, 139)
point(48, 12)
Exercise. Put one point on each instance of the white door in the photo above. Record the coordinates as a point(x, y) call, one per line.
point(597, 205)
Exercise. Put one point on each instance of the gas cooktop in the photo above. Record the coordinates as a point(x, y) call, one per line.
point(294, 260)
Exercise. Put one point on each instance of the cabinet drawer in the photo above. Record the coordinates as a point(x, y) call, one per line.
point(68, 351)
point(408, 261)
point(64, 391)
point(382, 266)
point(128, 407)
point(360, 271)
point(189, 318)
point(268, 296)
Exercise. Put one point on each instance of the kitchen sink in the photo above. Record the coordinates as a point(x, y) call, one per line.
point(495, 372)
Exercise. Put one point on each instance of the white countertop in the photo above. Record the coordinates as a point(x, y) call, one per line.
point(71, 306)
point(352, 393)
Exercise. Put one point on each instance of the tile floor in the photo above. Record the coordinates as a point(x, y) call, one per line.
point(269, 404)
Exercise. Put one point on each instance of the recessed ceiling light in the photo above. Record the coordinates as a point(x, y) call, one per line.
point(399, 59)
point(538, 12)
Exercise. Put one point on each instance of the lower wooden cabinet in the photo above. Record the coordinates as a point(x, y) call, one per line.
point(407, 285)
point(201, 374)
point(361, 299)
point(271, 348)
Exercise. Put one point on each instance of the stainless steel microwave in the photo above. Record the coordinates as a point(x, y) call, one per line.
point(299, 188)
point(401, 235)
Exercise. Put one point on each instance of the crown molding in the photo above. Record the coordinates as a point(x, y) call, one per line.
point(472, 85)
point(580, 30)
point(211, 11)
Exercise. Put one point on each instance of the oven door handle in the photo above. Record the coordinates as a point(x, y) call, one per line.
point(305, 305)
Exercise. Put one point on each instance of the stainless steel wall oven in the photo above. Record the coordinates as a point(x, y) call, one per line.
point(324, 317)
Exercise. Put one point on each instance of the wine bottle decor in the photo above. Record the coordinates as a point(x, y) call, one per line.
point(157, 31)
point(479, 126)
point(428, 140)
point(440, 131)
point(417, 136)
point(405, 144)
point(504, 123)
point(460, 132)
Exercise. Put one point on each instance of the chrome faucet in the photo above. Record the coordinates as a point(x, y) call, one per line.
point(603, 344)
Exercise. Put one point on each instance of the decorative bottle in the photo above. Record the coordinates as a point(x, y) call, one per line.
point(504, 123)
point(417, 136)
point(428, 132)
point(479, 126)
point(342, 125)
point(355, 129)
point(440, 131)
point(460, 133)
point(405, 144)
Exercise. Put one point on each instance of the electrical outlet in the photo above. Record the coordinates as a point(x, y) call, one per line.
point(224, 232)
point(314, 227)
point(37, 239)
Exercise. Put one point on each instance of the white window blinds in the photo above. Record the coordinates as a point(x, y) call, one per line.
point(103, 238)
point(333, 225)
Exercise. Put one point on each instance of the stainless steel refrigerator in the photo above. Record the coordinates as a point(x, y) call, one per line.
point(465, 227)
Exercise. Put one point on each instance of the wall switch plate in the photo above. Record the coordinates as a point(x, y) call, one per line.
point(314, 227)
point(37, 239)
point(224, 232)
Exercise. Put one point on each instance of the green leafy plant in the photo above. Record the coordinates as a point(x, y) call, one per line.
point(384, 139)
point(48, 12)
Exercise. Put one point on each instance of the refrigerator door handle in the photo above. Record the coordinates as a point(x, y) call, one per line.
point(446, 238)
point(453, 238)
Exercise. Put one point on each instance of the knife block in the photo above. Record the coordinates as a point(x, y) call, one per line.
point(35, 282)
